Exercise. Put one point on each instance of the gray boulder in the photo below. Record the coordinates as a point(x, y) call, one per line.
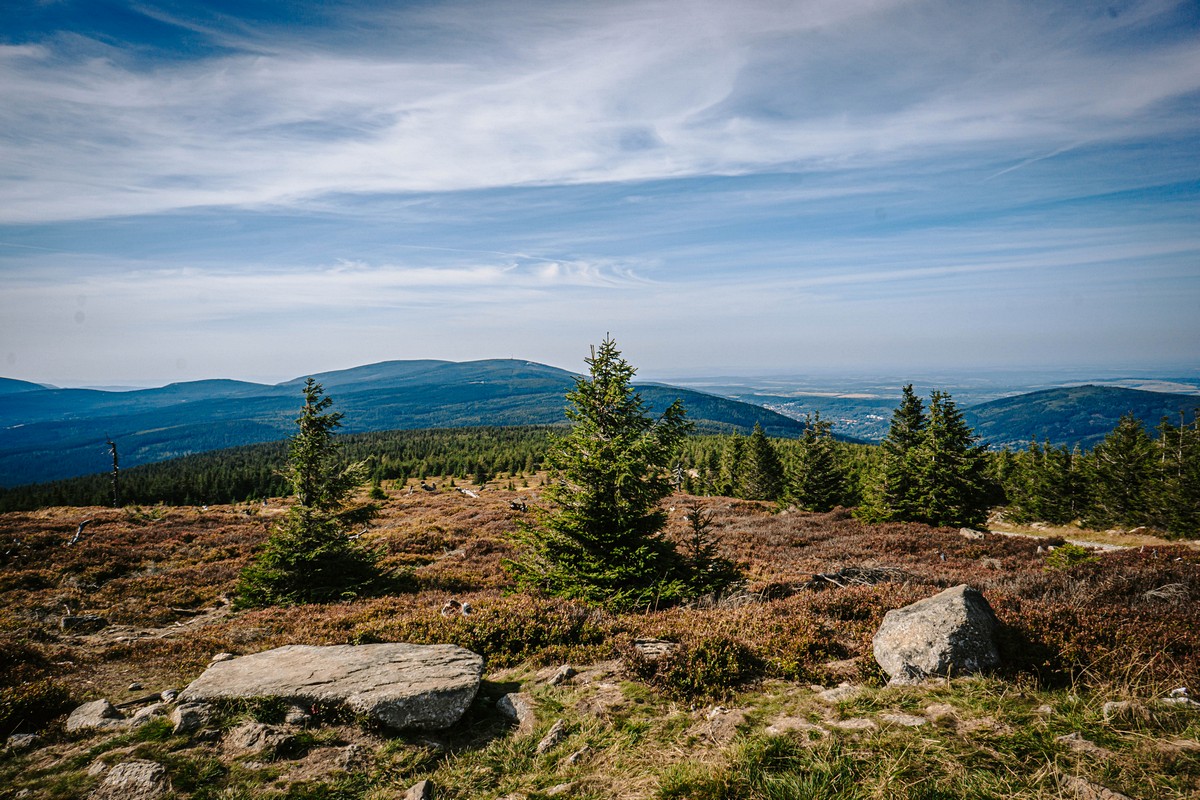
point(134, 780)
point(256, 738)
point(96, 715)
point(190, 717)
point(398, 685)
point(951, 633)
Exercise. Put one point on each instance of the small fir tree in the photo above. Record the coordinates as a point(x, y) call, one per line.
point(761, 471)
point(818, 482)
point(952, 479)
point(309, 558)
point(601, 540)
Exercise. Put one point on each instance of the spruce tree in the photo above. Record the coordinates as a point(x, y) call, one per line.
point(309, 557)
point(952, 483)
point(729, 472)
point(601, 538)
point(818, 482)
point(1120, 471)
point(760, 475)
point(895, 495)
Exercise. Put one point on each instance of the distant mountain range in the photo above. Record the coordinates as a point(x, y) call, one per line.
point(49, 433)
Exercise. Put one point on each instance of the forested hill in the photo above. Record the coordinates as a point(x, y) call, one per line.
point(48, 434)
point(1076, 415)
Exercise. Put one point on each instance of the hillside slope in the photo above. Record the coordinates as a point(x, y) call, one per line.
point(48, 434)
point(1081, 415)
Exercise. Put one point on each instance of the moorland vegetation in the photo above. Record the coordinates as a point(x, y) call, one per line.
point(739, 708)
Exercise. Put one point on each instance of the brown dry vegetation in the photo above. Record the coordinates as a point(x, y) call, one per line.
point(160, 577)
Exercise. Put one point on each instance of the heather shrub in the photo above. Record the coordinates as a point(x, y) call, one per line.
point(712, 669)
point(29, 697)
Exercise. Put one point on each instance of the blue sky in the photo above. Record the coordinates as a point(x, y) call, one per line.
point(262, 190)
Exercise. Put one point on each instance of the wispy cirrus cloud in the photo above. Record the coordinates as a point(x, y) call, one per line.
point(566, 94)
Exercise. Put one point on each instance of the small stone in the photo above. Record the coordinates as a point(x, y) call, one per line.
point(144, 715)
point(422, 790)
point(1044, 710)
point(1123, 711)
point(169, 695)
point(353, 756)
point(134, 687)
point(297, 715)
point(654, 649)
point(564, 674)
point(578, 756)
point(940, 712)
point(21, 742)
point(970, 533)
point(134, 780)
point(787, 724)
point(904, 720)
point(190, 717)
point(256, 738)
point(97, 769)
point(1086, 790)
point(562, 788)
point(219, 657)
point(843, 691)
point(553, 737)
point(1076, 742)
point(854, 724)
point(96, 715)
point(518, 707)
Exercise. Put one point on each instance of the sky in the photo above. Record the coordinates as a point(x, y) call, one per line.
point(263, 190)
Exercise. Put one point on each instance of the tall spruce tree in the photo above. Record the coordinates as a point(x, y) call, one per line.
point(601, 539)
point(951, 477)
point(309, 558)
point(1178, 496)
point(761, 472)
point(1121, 471)
point(729, 471)
point(896, 493)
point(818, 480)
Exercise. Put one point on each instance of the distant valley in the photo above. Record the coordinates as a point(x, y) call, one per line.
point(49, 433)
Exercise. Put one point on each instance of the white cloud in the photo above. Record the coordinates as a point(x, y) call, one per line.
point(518, 95)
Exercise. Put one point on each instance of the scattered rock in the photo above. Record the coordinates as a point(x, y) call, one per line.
point(562, 675)
point(148, 713)
point(353, 757)
point(398, 685)
point(721, 724)
point(654, 649)
point(579, 756)
point(1086, 790)
point(970, 533)
point(190, 717)
point(903, 720)
point(518, 707)
point(134, 780)
point(219, 657)
point(1179, 697)
point(1044, 710)
point(951, 633)
point(843, 691)
point(422, 790)
point(168, 695)
point(257, 738)
point(562, 788)
point(941, 713)
point(96, 715)
point(1124, 711)
point(1076, 742)
point(297, 715)
point(553, 737)
point(786, 724)
point(22, 742)
point(854, 724)
point(97, 769)
point(82, 623)
point(134, 687)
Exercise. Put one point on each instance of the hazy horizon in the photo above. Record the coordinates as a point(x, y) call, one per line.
point(261, 191)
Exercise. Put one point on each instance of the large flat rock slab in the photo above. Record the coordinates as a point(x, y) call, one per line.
point(399, 685)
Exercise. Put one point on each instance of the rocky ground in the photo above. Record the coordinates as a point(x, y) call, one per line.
point(772, 693)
